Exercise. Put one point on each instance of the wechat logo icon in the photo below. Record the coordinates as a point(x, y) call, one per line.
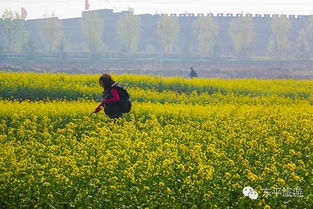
point(249, 192)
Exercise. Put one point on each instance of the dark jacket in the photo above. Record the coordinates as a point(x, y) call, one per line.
point(111, 109)
point(193, 73)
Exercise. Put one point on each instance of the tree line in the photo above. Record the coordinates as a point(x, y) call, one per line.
point(15, 38)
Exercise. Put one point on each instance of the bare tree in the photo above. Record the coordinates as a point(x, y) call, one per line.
point(12, 30)
point(309, 27)
point(207, 30)
point(51, 32)
point(241, 31)
point(92, 26)
point(279, 43)
point(303, 45)
point(128, 29)
point(168, 29)
point(309, 31)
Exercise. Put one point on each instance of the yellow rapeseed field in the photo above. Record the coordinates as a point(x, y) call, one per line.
point(186, 143)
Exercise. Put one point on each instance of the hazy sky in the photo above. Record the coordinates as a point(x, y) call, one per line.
point(73, 8)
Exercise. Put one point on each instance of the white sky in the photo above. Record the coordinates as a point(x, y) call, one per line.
point(73, 8)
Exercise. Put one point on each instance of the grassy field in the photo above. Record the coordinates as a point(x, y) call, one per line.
point(185, 144)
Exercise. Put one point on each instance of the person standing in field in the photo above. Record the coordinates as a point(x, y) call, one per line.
point(116, 100)
point(193, 73)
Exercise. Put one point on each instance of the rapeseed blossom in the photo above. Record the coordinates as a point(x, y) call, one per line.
point(190, 143)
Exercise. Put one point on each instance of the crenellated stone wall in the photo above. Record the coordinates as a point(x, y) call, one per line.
point(187, 40)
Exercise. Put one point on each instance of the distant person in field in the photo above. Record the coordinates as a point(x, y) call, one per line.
point(116, 100)
point(193, 73)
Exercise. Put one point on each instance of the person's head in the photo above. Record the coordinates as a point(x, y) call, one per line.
point(105, 80)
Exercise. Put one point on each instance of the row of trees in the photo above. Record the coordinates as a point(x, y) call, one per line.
point(13, 31)
point(16, 37)
point(241, 31)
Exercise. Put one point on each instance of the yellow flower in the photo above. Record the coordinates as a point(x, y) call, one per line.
point(114, 178)
point(161, 184)
point(227, 175)
point(53, 171)
point(208, 195)
point(31, 179)
point(291, 166)
point(166, 162)
point(206, 171)
point(183, 129)
point(267, 207)
point(281, 181)
point(231, 162)
point(181, 167)
point(292, 152)
point(46, 184)
point(296, 178)
point(241, 152)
